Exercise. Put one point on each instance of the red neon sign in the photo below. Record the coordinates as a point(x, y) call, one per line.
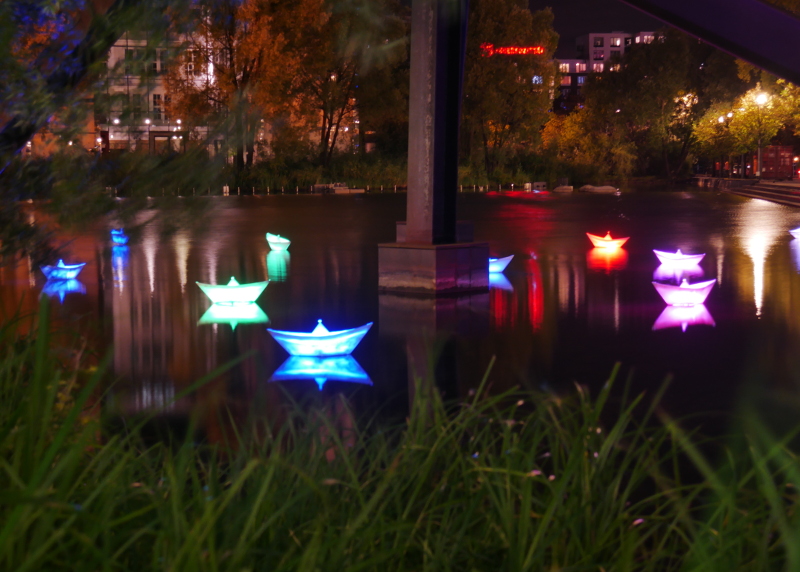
point(490, 50)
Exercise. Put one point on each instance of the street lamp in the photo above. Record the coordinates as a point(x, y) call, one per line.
point(761, 99)
point(147, 122)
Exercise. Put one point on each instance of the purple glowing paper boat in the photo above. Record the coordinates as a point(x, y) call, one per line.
point(678, 258)
point(320, 342)
point(499, 264)
point(63, 271)
point(683, 317)
point(685, 294)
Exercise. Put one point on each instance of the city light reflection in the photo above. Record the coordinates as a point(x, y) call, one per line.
point(759, 232)
point(119, 262)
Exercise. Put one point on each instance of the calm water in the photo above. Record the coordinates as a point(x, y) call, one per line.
point(562, 313)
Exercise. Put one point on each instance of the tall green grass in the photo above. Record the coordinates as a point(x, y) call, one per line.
point(510, 482)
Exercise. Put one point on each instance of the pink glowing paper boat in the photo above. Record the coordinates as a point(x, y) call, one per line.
point(683, 317)
point(686, 294)
point(678, 258)
point(606, 241)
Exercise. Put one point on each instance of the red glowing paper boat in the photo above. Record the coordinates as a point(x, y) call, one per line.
point(685, 294)
point(678, 258)
point(606, 241)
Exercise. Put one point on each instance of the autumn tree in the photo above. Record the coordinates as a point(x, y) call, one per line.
point(506, 96)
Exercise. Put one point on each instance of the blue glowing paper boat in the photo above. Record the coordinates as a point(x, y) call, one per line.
point(233, 292)
point(63, 271)
point(499, 264)
point(320, 342)
point(234, 314)
point(321, 369)
point(61, 288)
point(277, 242)
point(118, 236)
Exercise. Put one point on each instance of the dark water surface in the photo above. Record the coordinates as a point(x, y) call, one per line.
point(564, 313)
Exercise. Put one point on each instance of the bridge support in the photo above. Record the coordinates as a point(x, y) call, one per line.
point(430, 254)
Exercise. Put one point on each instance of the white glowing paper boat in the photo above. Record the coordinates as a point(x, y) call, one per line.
point(683, 317)
point(606, 241)
point(321, 370)
point(61, 288)
point(686, 294)
point(499, 264)
point(795, 232)
point(320, 342)
point(277, 242)
point(234, 314)
point(678, 258)
point(63, 271)
point(233, 292)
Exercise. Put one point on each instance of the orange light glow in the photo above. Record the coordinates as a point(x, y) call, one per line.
point(607, 259)
point(606, 241)
point(490, 50)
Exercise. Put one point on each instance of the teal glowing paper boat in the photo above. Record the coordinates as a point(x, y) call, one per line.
point(63, 271)
point(277, 242)
point(234, 314)
point(233, 292)
point(321, 369)
point(320, 342)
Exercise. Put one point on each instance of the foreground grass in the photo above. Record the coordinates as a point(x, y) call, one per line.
point(523, 482)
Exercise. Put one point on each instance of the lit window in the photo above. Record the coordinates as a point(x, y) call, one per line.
point(598, 68)
point(638, 39)
point(581, 79)
point(616, 42)
point(598, 42)
point(538, 80)
point(580, 68)
point(647, 39)
point(566, 80)
point(563, 68)
point(598, 55)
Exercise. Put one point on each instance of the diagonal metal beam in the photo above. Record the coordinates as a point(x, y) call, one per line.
point(758, 33)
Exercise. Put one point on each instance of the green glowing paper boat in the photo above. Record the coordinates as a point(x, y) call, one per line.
point(233, 292)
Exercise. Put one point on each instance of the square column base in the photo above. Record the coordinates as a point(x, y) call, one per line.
point(433, 268)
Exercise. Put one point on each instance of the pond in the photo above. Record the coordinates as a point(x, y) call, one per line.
point(562, 312)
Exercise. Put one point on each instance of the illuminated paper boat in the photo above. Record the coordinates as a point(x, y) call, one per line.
point(321, 370)
point(278, 265)
point(233, 292)
point(678, 258)
point(795, 232)
point(683, 317)
point(277, 242)
point(118, 236)
point(607, 259)
point(234, 314)
point(499, 280)
point(63, 271)
point(61, 288)
point(499, 264)
point(669, 273)
point(606, 241)
point(320, 342)
point(685, 294)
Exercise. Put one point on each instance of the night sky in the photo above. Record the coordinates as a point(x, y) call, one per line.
point(577, 17)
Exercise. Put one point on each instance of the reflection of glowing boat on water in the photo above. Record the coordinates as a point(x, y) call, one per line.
point(118, 236)
point(277, 242)
point(278, 265)
point(63, 271)
point(606, 241)
point(321, 369)
point(61, 288)
point(320, 342)
point(607, 259)
point(685, 294)
point(795, 232)
point(234, 314)
point(233, 292)
point(499, 264)
point(668, 272)
point(678, 258)
point(683, 317)
point(499, 280)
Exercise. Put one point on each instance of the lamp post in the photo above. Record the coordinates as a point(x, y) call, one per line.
point(761, 99)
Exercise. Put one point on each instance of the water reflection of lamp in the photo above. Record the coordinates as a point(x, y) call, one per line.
point(320, 341)
point(685, 294)
point(795, 246)
point(499, 280)
point(234, 315)
point(607, 259)
point(669, 273)
point(684, 316)
point(278, 265)
point(61, 288)
point(321, 370)
point(759, 230)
